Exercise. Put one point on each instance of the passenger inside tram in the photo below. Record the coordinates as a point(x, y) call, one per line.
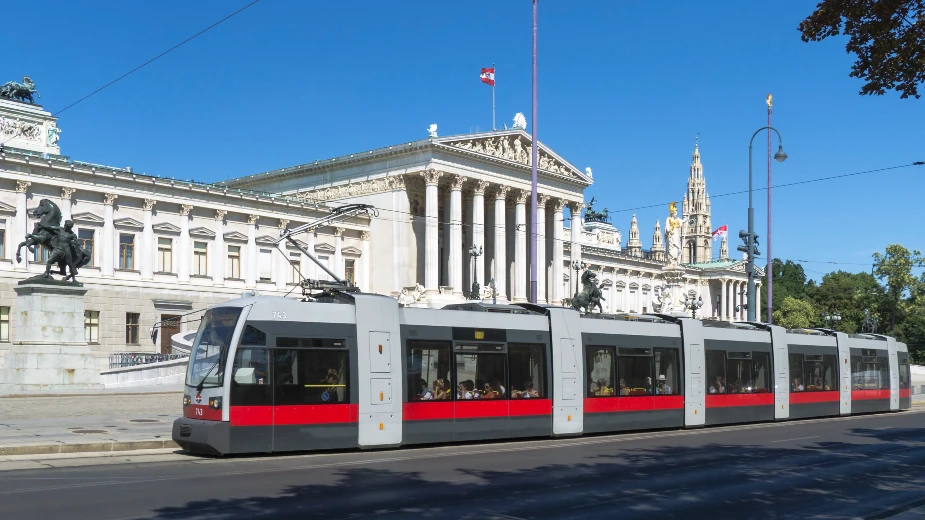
point(425, 393)
point(529, 391)
point(440, 391)
point(718, 387)
point(467, 390)
point(623, 389)
point(488, 392)
point(663, 387)
point(798, 385)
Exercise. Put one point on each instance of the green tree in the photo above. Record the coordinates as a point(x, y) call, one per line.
point(895, 269)
point(795, 314)
point(848, 294)
point(887, 36)
point(789, 280)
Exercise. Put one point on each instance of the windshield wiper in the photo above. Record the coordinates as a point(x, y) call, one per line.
point(201, 384)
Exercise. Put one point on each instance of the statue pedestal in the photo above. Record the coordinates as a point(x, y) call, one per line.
point(49, 351)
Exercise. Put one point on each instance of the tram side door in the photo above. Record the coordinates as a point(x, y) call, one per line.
point(379, 367)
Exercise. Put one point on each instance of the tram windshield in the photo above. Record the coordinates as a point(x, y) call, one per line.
point(210, 350)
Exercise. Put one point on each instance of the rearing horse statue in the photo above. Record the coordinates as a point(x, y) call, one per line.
point(65, 250)
point(589, 297)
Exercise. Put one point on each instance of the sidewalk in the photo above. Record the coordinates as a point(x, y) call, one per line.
point(96, 421)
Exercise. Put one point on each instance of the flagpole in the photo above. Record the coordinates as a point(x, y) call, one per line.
point(493, 100)
point(535, 147)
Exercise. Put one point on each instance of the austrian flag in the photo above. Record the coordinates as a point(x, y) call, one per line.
point(721, 232)
point(488, 76)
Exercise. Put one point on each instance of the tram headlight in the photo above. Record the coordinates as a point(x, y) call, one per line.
point(186, 400)
point(215, 402)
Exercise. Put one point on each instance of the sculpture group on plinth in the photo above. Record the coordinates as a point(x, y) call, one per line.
point(591, 215)
point(589, 297)
point(19, 91)
point(65, 249)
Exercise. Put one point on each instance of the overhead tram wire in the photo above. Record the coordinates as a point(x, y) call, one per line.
point(152, 60)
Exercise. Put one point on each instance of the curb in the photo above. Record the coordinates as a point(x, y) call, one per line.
point(98, 394)
point(107, 446)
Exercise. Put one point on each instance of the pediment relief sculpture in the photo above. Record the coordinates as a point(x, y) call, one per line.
point(513, 148)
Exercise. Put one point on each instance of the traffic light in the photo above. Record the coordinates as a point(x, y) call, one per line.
point(744, 236)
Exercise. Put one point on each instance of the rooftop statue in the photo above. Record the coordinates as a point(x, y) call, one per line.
point(520, 122)
point(62, 241)
point(589, 297)
point(673, 235)
point(596, 216)
point(19, 91)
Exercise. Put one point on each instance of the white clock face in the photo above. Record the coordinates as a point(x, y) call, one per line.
point(691, 221)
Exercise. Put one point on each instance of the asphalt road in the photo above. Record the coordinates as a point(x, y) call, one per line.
point(868, 467)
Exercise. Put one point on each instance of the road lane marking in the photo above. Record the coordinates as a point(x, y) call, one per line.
point(796, 439)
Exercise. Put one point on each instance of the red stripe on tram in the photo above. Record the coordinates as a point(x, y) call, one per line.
point(728, 400)
point(481, 408)
point(864, 395)
point(633, 404)
point(428, 411)
point(814, 397)
point(294, 415)
point(525, 407)
point(905, 393)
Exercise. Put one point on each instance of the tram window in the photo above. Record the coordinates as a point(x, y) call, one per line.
point(481, 376)
point(739, 375)
point(813, 369)
point(310, 343)
point(253, 336)
point(666, 369)
point(796, 373)
point(830, 372)
point(716, 372)
point(310, 376)
point(601, 370)
point(251, 381)
point(762, 362)
point(528, 371)
point(903, 370)
point(636, 371)
point(883, 365)
point(864, 373)
point(428, 367)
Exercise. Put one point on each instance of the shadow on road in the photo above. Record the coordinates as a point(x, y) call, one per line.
point(828, 480)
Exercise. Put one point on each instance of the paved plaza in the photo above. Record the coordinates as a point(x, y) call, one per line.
point(105, 421)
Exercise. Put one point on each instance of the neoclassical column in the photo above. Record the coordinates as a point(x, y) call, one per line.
point(500, 244)
point(576, 230)
point(147, 250)
point(250, 258)
point(401, 231)
point(735, 301)
point(282, 262)
point(108, 239)
point(558, 254)
point(311, 270)
point(541, 201)
point(65, 207)
point(218, 249)
point(338, 266)
point(456, 250)
point(21, 226)
point(431, 248)
point(478, 229)
point(519, 283)
point(365, 279)
point(184, 246)
point(722, 299)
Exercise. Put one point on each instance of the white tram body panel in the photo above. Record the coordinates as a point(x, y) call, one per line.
point(270, 374)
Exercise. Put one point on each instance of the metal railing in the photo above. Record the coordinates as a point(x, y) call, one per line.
point(130, 359)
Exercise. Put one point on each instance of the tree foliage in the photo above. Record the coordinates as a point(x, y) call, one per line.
point(789, 280)
point(895, 269)
point(795, 314)
point(887, 36)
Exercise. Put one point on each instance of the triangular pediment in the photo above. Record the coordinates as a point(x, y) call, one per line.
point(166, 228)
point(235, 236)
point(294, 248)
point(6, 209)
point(325, 248)
point(87, 219)
point(514, 146)
point(202, 232)
point(350, 250)
point(129, 223)
point(266, 240)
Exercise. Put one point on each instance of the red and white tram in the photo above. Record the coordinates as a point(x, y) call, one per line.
point(270, 374)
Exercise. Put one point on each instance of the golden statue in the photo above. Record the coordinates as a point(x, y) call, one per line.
point(769, 100)
point(673, 235)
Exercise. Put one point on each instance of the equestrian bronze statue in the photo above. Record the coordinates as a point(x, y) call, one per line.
point(589, 297)
point(60, 240)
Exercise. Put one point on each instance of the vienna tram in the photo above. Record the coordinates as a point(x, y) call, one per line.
point(271, 374)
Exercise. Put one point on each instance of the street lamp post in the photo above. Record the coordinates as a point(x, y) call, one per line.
point(577, 266)
point(751, 239)
point(831, 318)
point(693, 305)
point(476, 290)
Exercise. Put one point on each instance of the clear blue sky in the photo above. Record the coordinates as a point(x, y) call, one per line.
point(623, 87)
